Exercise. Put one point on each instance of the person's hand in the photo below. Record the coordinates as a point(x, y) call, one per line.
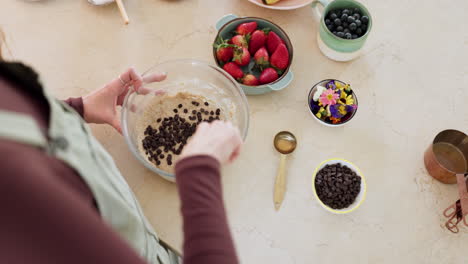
point(100, 106)
point(220, 140)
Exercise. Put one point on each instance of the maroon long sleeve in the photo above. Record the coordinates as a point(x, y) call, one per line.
point(49, 215)
point(207, 238)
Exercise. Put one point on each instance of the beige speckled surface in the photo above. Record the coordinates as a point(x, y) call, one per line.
point(411, 83)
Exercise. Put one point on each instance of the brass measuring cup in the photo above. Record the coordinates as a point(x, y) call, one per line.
point(447, 156)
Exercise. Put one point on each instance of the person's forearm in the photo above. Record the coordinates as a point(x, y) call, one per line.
point(207, 239)
point(77, 104)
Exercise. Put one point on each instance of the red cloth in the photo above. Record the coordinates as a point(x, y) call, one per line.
point(49, 215)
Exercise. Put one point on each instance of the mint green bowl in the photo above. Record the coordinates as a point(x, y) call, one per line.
point(226, 27)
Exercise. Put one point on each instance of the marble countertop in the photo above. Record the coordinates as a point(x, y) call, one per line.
point(411, 83)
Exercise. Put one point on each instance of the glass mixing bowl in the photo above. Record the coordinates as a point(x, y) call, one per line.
point(195, 77)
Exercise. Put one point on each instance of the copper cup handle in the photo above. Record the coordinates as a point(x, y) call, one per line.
point(450, 211)
point(451, 225)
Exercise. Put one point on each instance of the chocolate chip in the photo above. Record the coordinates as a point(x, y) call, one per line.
point(180, 105)
point(175, 110)
point(185, 111)
point(211, 113)
point(337, 186)
point(218, 111)
point(202, 110)
point(159, 120)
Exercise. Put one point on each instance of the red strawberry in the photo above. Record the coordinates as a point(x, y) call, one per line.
point(257, 40)
point(280, 59)
point(241, 56)
point(234, 70)
point(246, 28)
point(240, 40)
point(273, 41)
point(261, 58)
point(224, 52)
point(268, 75)
point(250, 80)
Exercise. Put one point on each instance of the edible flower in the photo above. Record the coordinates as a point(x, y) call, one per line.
point(321, 112)
point(315, 108)
point(335, 120)
point(338, 110)
point(328, 97)
point(346, 99)
point(318, 92)
point(331, 85)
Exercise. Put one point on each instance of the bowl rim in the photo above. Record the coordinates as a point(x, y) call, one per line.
point(363, 37)
point(125, 109)
point(363, 186)
point(320, 120)
point(283, 8)
point(288, 40)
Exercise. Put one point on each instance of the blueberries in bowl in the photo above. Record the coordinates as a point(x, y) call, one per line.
point(347, 23)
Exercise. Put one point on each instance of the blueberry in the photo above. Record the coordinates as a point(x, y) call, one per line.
point(355, 36)
point(330, 27)
point(357, 16)
point(346, 11)
point(351, 19)
point(352, 26)
point(359, 31)
point(345, 24)
point(334, 32)
point(337, 21)
point(344, 17)
point(365, 19)
point(339, 28)
point(346, 30)
point(363, 28)
point(356, 10)
point(333, 16)
point(327, 21)
point(358, 23)
point(338, 13)
point(340, 34)
point(348, 36)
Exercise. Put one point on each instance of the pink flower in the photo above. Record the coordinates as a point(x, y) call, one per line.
point(329, 97)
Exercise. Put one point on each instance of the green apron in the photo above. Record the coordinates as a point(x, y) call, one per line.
point(71, 141)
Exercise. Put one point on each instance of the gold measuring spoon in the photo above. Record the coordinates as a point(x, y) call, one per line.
point(285, 143)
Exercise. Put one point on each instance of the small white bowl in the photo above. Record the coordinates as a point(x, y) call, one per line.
point(311, 94)
point(359, 199)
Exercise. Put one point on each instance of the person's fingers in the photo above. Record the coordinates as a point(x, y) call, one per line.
point(121, 97)
point(235, 154)
point(131, 77)
point(116, 124)
point(159, 92)
point(155, 77)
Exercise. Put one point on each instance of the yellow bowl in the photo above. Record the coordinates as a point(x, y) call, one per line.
point(359, 199)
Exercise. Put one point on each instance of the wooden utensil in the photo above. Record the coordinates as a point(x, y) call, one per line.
point(285, 143)
point(123, 12)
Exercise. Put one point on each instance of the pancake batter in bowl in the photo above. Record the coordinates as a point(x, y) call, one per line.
point(168, 122)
